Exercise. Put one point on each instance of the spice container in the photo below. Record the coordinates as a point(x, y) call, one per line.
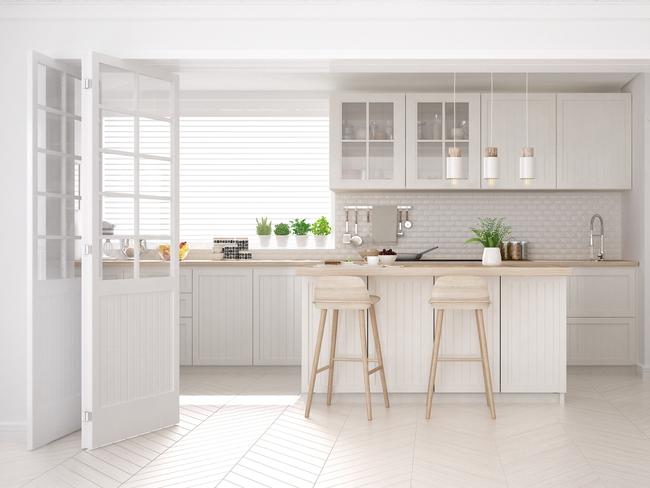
point(515, 250)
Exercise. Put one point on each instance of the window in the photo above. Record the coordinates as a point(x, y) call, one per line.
point(249, 159)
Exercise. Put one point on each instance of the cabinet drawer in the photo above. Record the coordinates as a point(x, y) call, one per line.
point(185, 307)
point(185, 285)
point(185, 342)
point(601, 293)
point(601, 341)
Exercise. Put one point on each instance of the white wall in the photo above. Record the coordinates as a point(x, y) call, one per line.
point(288, 30)
point(636, 208)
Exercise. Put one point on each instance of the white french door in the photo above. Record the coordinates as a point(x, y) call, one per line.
point(54, 286)
point(129, 292)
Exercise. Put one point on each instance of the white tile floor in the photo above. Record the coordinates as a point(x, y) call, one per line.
point(244, 427)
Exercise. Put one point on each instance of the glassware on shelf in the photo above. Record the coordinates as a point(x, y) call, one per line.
point(437, 127)
point(373, 130)
point(389, 129)
point(348, 130)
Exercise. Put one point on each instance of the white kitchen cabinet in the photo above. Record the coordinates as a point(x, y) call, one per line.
point(367, 141)
point(460, 338)
point(222, 316)
point(185, 341)
point(594, 141)
point(506, 130)
point(602, 316)
point(276, 317)
point(533, 334)
point(430, 133)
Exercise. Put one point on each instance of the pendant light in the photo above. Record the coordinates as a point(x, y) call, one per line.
point(491, 158)
point(527, 159)
point(455, 162)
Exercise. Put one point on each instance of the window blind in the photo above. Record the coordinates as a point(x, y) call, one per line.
point(248, 163)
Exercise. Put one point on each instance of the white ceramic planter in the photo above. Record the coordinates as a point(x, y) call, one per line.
point(321, 241)
point(281, 241)
point(301, 241)
point(265, 241)
point(491, 256)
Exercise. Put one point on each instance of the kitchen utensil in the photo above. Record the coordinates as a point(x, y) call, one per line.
point(407, 223)
point(346, 235)
point(356, 239)
point(400, 232)
point(414, 256)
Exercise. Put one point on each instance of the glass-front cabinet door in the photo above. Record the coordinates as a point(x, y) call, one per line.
point(432, 128)
point(367, 141)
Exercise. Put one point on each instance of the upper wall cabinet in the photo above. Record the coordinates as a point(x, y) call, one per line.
point(594, 141)
point(367, 141)
point(507, 131)
point(431, 129)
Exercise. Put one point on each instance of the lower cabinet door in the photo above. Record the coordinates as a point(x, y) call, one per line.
point(185, 341)
point(601, 341)
point(276, 317)
point(222, 316)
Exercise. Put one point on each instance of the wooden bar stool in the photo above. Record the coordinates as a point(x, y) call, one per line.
point(461, 293)
point(346, 293)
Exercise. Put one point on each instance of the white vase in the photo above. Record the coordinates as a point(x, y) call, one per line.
point(321, 241)
point(491, 256)
point(301, 241)
point(264, 240)
point(281, 241)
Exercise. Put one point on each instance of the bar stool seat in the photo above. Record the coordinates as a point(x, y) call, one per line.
point(461, 293)
point(337, 293)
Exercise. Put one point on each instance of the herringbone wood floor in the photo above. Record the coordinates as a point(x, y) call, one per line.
point(244, 427)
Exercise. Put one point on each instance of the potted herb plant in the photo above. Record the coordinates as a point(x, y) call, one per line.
point(321, 229)
point(300, 229)
point(282, 232)
point(491, 232)
point(263, 230)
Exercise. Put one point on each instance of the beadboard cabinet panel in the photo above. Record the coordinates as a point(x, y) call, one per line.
point(223, 316)
point(533, 334)
point(405, 323)
point(601, 341)
point(460, 337)
point(276, 317)
point(594, 141)
point(506, 130)
point(185, 342)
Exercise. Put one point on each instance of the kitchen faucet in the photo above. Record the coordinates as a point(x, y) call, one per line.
point(601, 255)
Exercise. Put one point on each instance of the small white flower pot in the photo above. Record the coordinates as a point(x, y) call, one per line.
point(301, 241)
point(281, 241)
point(491, 256)
point(321, 241)
point(265, 241)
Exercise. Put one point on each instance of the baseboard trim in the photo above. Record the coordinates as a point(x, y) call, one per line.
point(643, 371)
point(13, 427)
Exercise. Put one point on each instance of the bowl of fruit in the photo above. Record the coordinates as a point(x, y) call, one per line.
point(165, 254)
point(387, 256)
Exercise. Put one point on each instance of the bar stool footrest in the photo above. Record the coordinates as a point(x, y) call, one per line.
point(375, 370)
point(324, 368)
point(460, 358)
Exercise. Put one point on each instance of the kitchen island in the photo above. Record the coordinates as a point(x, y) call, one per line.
point(525, 326)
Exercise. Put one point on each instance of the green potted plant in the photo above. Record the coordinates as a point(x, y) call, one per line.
point(321, 229)
point(263, 230)
point(491, 232)
point(282, 232)
point(300, 229)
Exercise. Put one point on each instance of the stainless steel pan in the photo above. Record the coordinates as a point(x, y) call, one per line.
point(414, 256)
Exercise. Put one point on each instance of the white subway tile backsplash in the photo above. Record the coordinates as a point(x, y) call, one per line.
point(555, 223)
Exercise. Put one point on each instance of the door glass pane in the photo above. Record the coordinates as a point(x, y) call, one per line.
point(73, 95)
point(70, 214)
point(353, 162)
point(49, 216)
point(155, 137)
point(155, 96)
point(157, 258)
point(118, 174)
point(354, 121)
point(381, 121)
point(49, 173)
point(49, 131)
point(430, 161)
point(429, 123)
point(155, 177)
point(116, 88)
point(461, 130)
point(73, 137)
point(380, 163)
point(154, 217)
point(118, 131)
point(119, 212)
point(53, 88)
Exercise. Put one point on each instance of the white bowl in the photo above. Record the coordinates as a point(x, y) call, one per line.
point(389, 259)
point(372, 260)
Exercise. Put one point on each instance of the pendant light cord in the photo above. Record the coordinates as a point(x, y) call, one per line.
point(491, 106)
point(454, 128)
point(527, 145)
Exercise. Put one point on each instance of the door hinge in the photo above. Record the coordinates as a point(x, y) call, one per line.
point(88, 83)
point(88, 249)
point(87, 416)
